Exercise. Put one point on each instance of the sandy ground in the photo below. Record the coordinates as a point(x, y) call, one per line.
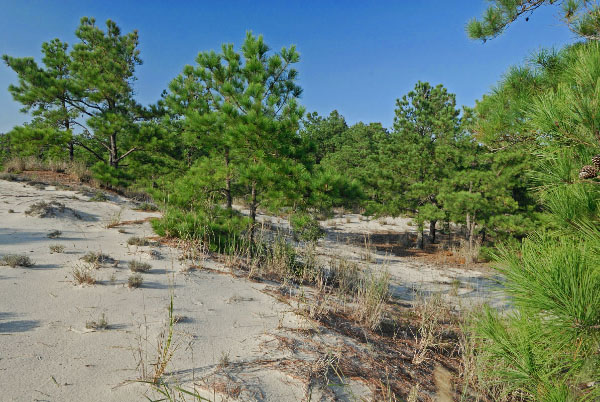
point(230, 332)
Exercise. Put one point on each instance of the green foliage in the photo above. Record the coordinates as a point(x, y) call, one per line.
point(581, 16)
point(306, 227)
point(548, 348)
point(219, 229)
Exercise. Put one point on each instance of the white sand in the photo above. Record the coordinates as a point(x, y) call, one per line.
point(47, 354)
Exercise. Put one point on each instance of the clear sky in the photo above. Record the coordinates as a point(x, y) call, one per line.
point(357, 56)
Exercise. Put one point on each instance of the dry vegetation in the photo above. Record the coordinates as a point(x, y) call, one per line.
point(16, 260)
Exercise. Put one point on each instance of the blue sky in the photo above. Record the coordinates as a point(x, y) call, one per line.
point(357, 56)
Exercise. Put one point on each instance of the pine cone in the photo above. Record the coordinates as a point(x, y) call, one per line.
point(588, 172)
point(596, 161)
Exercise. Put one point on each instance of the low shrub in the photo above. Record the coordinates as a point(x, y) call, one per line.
point(138, 266)
point(306, 227)
point(98, 196)
point(16, 260)
point(135, 281)
point(220, 230)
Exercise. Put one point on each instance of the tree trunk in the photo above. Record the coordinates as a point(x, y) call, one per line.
point(112, 157)
point(432, 231)
point(71, 153)
point(228, 183)
point(421, 238)
point(253, 212)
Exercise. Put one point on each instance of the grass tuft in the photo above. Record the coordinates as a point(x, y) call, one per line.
point(83, 276)
point(100, 324)
point(97, 258)
point(138, 241)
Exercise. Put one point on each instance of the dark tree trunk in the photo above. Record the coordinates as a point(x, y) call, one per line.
point(421, 238)
point(432, 231)
point(71, 153)
point(228, 183)
point(253, 212)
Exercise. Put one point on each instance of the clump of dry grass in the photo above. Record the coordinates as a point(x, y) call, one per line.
point(138, 266)
point(467, 252)
point(97, 259)
point(100, 324)
point(135, 281)
point(43, 209)
point(138, 241)
point(372, 296)
point(54, 234)
point(16, 260)
point(431, 313)
point(83, 276)
point(79, 171)
point(56, 248)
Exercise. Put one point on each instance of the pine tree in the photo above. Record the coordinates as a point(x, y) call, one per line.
point(45, 93)
point(424, 137)
point(103, 68)
point(245, 110)
point(93, 82)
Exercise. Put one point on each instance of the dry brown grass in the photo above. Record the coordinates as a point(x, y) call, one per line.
point(83, 275)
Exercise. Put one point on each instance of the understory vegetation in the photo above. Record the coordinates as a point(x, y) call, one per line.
point(516, 176)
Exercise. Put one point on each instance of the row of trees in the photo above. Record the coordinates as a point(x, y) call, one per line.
point(231, 127)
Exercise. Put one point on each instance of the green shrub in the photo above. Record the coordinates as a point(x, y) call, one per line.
point(306, 227)
point(220, 230)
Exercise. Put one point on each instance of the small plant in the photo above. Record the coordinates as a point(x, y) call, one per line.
point(146, 206)
point(16, 260)
point(138, 266)
point(306, 227)
point(54, 234)
point(11, 211)
point(97, 259)
point(83, 276)
point(114, 220)
point(57, 248)
point(135, 281)
point(224, 360)
point(99, 196)
point(122, 231)
point(138, 241)
point(100, 324)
